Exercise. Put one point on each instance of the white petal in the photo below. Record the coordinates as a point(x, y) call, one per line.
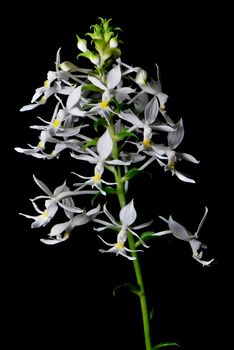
point(109, 215)
point(59, 228)
point(187, 157)
point(97, 83)
point(184, 178)
point(74, 97)
point(53, 241)
point(43, 186)
point(175, 137)
point(145, 224)
point(162, 233)
point(123, 253)
point(179, 231)
point(204, 262)
point(151, 111)
point(136, 235)
point(117, 162)
point(80, 220)
point(113, 77)
point(164, 219)
point(109, 244)
point(195, 245)
point(162, 98)
point(202, 222)
point(131, 118)
point(104, 145)
point(93, 212)
point(162, 127)
point(29, 107)
point(85, 157)
point(128, 214)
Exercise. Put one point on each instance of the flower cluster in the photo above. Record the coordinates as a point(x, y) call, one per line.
point(111, 116)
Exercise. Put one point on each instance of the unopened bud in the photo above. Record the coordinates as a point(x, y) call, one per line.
point(82, 44)
point(141, 77)
point(114, 42)
point(94, 58)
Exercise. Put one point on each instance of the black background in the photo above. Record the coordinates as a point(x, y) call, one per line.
point(63, 294)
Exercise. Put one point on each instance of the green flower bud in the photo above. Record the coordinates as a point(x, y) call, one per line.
point(114, 42)
point(82, 44)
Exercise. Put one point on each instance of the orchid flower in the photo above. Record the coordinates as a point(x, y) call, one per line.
point(168, 153)
point(127, 216)
point(61, 232)
point(104, 149)
point(184, 234)
point(52, 85)
point(113, 79)
point(51, 203)
point(150, 114)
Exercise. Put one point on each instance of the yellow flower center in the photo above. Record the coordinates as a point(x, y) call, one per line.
point(66, 234)
point(171, 165)
point(104, 104)
point(54, 153)
point(162, 107)
point(97, 177)
point(147, 143)
point(56, 123)
point(43, 99)
point(45, 214)
point(119, 245)
point(41, 144)
point(46, 84)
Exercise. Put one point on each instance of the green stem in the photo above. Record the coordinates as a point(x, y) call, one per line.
point(137, 268)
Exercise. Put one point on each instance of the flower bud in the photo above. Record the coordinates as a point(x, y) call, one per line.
point(94, 58)
point(114, 42)
point(141, 77)
point(82, 44)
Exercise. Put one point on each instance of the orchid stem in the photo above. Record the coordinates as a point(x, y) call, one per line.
point(122, 201)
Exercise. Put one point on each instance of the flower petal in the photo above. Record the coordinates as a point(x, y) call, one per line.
point(104, 145)
point(151, 111)
point(59, 228)
point(179, 231)
point(175, 137)
point(202, 222)
point(74, 97)
point(184, 178)
point(43, 186)
point(128, 214)
point(131, 118)
point(113, 77)
point(97, 83)
point(109, 215)
point(188, 157)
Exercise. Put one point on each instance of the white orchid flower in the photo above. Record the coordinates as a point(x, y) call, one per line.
point(174, 140)
point(61, 232)
point(95, 180)
point(104, 149)
point(163, 153)
point(34, 150)
point(148, 123)
point(118, 248)
point(52, 202)
point(127, 216)
point(184, 234)
point(54, 84)
point(113, 79)
point(153, 88)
